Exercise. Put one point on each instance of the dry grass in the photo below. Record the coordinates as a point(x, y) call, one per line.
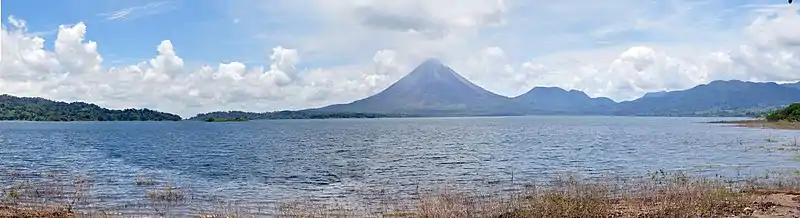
point(454, 204)
point(657, 195)
point(52, 197)
point(672, 196)
point(144, 181)
point(11, 211)
point(764, 124)
point(163, 201)
point(223, 211)
point(167, 194)
point(568, 197)
point(697, 198)
point(308, 209)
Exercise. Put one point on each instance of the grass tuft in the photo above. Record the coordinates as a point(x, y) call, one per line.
point(657, 194)
point(144, 181)
point(168, 194)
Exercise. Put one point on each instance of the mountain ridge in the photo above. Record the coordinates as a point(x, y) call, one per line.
point(792, 85)
point(720, 97)
point(560, 101)
point(434, 89)
point(716, 96)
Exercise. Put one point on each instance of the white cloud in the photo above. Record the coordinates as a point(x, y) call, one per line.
point(138, 11)
point(282, 70)
point(491, 69)
point(469, 34)
point(396, 35)
point(418, 28)
point(165, 65)
point(21, 24)
point(425, 17)
point(767, 52)
point(73, 72)
point(75, 56)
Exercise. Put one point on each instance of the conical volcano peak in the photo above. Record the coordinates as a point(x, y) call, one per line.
point(431, 87)
point(432, 62)
point(432, 69)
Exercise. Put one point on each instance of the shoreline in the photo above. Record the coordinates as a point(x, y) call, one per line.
point(762, 124)
point(392, 117)
point(657, 194)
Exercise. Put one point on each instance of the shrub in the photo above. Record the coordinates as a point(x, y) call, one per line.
point(790, 113)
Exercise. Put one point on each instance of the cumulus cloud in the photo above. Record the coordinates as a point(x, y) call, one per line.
point(282, 70)
point(73, 71)
point(771, 31)
point(766, 49)
point(603, 48)
point(75, 56)
point(768, 52)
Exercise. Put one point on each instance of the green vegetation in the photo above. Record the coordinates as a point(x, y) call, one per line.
point(282, 115)
point(40, 109)
point(790, 114)
point(224, 119)
point(786, 118)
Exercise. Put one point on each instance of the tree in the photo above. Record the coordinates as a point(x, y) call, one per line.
point(40, 109)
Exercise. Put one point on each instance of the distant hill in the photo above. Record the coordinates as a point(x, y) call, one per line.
point(792, 85)
point(40, 109)
point(655, 94)
point(554, 100)
point(431, 89)
point(718, 98)
point(283, 115)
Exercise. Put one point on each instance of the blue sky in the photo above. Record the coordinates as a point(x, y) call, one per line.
point(205, 30)
point(188, 24)
point(267, 55)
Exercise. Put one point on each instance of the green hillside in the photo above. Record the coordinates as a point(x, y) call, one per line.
point(40, 109)
point(790, 113)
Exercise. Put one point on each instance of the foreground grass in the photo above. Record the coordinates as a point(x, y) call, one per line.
point(657, 195)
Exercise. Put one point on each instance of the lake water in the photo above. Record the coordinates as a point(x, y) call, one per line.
point(262, 162)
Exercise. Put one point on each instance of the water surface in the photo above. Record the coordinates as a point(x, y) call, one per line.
point(262, 162)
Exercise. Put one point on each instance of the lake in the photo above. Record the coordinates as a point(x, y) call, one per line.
point(264, 162)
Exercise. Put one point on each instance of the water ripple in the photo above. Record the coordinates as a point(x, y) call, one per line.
point(269, 161)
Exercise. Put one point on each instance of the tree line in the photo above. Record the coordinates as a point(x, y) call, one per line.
point(40, 109)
